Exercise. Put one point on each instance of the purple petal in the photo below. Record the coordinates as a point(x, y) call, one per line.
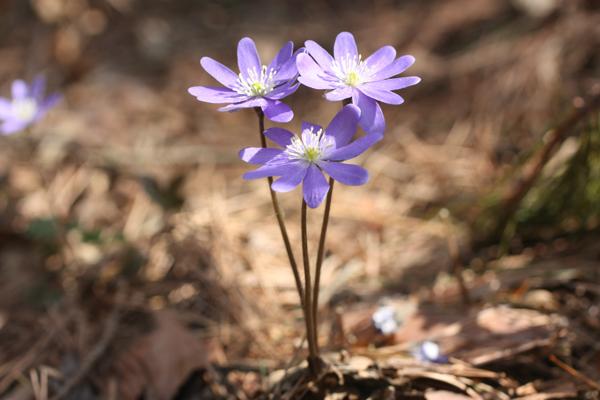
point(308, 126)
point(283, 91)
point(276, 111)
point(248, 58)
point(258, 155)
point(281, 136)
point(344, 47)
point(19, 89)
point(12, 126)
point(431, 352)
point(393, 84)
point(232, 108)
point(268, 170)
point(37, 88)
point(289, 70)
point(397, 67)
point(381, 58)
point(384, 96)
point(371, 116)
point(339, 94)
point(216, 95)
point(5, 108)
point(343, 126)
point(322, 57)
point(315, 187)
point(47, 104)
point(355, 148)
point(311, 74)
point(51, 100)
point(348, 174)
point(251, 103)
point(282, 57)
point(291, 178)
point(221, 73)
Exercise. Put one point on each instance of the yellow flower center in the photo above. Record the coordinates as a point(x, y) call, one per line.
point(256, 84)
point(351, 71)
point(25, 109)
point(311, 148)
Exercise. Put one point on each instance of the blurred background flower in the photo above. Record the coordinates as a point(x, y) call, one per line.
point(27, 105)
point(133, 179)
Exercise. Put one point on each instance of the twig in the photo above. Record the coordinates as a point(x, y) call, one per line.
point(574, 372)
point(17, 368)
point(454, 255)
point(513, 198)
point(110, 328)
point(35, 384)
point(296, 387)
point(277, 390)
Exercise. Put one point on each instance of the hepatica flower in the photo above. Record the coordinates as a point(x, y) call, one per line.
point(257, 85)
point(430, 352)
point(347, 75)
point(306, 157)
point(26, 107)
point(384, 319)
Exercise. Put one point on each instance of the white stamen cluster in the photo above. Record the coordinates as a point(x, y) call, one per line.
point(25, 109)
point(255, 84)
point(351, 71)
point(312, 148)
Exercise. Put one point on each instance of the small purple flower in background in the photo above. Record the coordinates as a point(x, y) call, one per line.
point(348, 76)
point(304, 158)
point(26, 107)
point(430, 352)
point(257, 85)
point(384, 319)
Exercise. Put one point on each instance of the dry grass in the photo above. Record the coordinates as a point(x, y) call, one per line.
point(495, 79)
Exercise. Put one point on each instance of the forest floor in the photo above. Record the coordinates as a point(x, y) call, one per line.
point(136, 263)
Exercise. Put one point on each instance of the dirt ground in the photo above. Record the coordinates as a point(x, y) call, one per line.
point(136, 263)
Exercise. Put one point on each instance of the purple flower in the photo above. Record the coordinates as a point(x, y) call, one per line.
point(27, 105)
point(318, 150)
point(257, 85)
point(384, 319)
point(430, 352)
point(347, 75)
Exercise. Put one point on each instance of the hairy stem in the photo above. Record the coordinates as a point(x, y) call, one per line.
point(320, 254)
point(278, 213)
point(321, 249)
point(313, 349)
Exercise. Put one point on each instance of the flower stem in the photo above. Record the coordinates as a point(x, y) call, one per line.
point(320, 253)
point(278, 213)
point(321, 249)
point(313, 349)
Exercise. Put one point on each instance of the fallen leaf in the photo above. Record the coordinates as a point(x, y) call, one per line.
point(159, 363)
point(484, 336)
point(547, 390)
point(445, 395)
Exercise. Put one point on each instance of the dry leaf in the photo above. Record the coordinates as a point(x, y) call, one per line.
point(445, 395)
point(159, 363)
point(547, 390)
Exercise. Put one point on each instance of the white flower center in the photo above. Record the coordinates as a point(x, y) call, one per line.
point(351, 71)
point(431, 350)
point(312, 148)
point(256, 84)
point(25, 109)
